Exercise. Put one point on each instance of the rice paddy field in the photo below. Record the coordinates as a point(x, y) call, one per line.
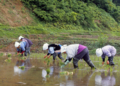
point(34, 70)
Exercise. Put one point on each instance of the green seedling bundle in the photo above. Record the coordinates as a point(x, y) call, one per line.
point(8, 60)
point(9, 55)
point(22, 67)
point(1, 54)
point(23, 58)
point(47, 60)
point(48, 70)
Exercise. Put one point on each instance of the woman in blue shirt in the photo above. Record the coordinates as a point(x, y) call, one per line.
point(53, 49)
point(21, 47)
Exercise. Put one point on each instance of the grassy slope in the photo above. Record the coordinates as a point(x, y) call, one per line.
point(13, 13)
point(40, 32)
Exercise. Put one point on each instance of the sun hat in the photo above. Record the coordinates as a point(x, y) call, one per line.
point(45, 46)
point(17, 44)
point(20, 37)
point(99, 52)
point(63, 48)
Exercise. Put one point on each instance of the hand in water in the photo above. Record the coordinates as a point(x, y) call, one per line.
point(102, 63)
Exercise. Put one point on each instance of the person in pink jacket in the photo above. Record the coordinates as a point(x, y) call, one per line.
point(107, 50)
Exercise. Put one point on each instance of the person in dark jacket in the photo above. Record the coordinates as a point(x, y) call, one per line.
point(28, 44)
point(53, 49)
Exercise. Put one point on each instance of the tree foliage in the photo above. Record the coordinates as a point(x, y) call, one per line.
point(77, 12)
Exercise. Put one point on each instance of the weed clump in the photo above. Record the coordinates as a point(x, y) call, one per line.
point(1, 54)
point(22, 67)
point(48, 71)
point(9, 55)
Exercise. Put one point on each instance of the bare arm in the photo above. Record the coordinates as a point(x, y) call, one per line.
point(45, 56)
point(58, 51)
point(49, 56)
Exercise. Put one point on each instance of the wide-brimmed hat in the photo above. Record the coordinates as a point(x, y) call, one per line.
point(99, 52)
point(45, 46)
point(20, 37)
point(63, 48)
point(17, 44)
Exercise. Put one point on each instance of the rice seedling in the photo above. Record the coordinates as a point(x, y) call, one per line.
point(48, 70)
point(8, 60)
point(9, 55)
point(22, 67)
point(1, 54)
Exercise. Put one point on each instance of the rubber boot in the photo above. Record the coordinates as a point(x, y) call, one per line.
point(111, 60)
point(89, 62)
point(75, 63)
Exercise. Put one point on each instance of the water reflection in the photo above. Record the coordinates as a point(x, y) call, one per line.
point(77, 80)
point(54, 72)
point(83, 80)
point(22, 63)
point(105, 80)
point(44, 74)
point(57, 77)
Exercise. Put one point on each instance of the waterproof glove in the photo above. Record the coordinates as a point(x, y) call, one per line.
point(65, 63)
point(108, 62)
point(62, 65)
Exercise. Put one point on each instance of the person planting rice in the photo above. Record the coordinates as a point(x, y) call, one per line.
point(107, 50)
point(77, 52)
point(53, 49)
point(21, 48)
point(27, 42)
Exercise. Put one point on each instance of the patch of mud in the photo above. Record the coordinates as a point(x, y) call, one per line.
point(14, 13)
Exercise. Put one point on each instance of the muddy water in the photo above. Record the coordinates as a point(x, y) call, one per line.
point(34, 74)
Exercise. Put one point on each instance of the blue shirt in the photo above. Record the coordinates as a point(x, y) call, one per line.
point(22, 46)
point(51, 50)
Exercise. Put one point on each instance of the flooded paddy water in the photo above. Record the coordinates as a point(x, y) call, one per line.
point(42, 72)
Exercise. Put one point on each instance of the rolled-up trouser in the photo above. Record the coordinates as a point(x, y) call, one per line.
point(82, 55)
point(59, 55)
point(27, 50)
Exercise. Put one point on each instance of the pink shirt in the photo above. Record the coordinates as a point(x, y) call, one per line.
point(81, 48)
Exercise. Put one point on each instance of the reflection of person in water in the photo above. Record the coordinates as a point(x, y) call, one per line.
point(54, 71)
point(26, 63)
point(105, 80)
point(77, 80)
point(84, 80)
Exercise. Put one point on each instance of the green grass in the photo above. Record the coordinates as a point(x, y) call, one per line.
point(1, 54)
point(52, 34)
point(7, 31)
point(82, 64)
